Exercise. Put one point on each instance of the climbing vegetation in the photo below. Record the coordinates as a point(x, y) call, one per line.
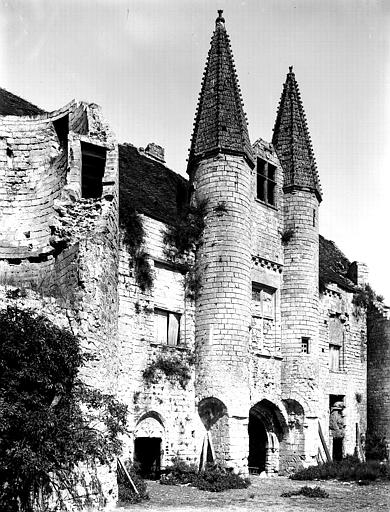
point(50, 421)
point(134, 239)
point(175, 367)
point(182, 241)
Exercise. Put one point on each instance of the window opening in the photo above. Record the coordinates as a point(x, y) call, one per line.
point(10, 158)
point(166, 327)
point(61, 127)
point(334, 358)
point(93, 165)
point(266, 181)
point(305, 345)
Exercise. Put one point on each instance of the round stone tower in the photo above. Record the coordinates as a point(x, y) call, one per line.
point(300, 237)
point(220, 165)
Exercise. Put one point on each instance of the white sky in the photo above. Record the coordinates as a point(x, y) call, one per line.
point(142, 61)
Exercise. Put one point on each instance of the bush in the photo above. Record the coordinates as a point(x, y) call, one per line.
point(217, 479)
point(349, 469)
point(179, 473)
point(309, 492)
point(213, 478)
point(126, 492)
point(47, 412)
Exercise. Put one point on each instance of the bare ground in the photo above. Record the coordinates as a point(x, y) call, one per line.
point(264, 495)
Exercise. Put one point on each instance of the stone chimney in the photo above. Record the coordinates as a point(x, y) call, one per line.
point(358, 273)
point(155, 151)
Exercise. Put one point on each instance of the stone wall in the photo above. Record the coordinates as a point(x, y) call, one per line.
point(58, 246)
point(343, 325)
point(299, 308)
point(166, 398)
point(378, 374)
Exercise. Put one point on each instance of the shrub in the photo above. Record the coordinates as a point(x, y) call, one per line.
point(126, 492)
point(349, 469)
point(47, 414)
point(180, 472)
point(217, 479)
point(309, 492)
point(214, 478)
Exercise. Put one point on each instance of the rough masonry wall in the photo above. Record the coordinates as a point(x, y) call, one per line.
point(163, 408)
point(342, 324)
point(378, 374)
point(223, 315)
point(299, 306)
point(57, 245)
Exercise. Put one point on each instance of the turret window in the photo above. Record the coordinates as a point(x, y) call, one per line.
point(266, 181)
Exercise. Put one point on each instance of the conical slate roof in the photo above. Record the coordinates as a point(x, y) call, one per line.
point(292, 141)
point(220, 123)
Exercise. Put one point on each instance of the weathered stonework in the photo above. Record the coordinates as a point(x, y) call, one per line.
point(270, 360)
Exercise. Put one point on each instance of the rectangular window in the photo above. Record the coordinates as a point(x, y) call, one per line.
point(166, 327)
point(93, 166)
point(266, 181)
point(305, 345)
point(334, 358)
point(263, 302)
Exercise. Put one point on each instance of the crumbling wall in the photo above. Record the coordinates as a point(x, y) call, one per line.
point(57, 245)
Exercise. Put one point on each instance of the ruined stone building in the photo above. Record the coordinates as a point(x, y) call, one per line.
point(246, 348)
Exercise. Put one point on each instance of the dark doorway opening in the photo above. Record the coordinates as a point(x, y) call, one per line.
point(257, 445)
point(147, 454)
point(337, 452)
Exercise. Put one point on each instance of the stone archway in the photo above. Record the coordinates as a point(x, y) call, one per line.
point(292, 447)
point(266, 428)
point(214, 416)
point(149, 437)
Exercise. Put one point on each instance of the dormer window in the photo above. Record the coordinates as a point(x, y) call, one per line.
point(266, 181)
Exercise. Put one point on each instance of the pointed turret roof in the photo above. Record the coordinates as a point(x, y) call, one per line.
point(220, 123)
point(292, 141)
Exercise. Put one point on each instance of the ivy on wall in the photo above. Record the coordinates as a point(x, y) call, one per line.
point(134, 239)
point(175, 367)
point(182, 241)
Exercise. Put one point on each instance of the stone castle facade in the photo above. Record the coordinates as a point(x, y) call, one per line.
point(265, 367)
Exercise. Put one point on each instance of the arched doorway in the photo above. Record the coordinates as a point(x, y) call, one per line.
point(258, 442)
point(214, 416)
point(148, 439)
point(266, 428)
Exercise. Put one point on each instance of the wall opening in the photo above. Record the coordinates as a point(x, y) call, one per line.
point(336, 425)
point(258, 444)
point(93, 166)
point(266, 428)
point(147, 454)
point(214, 416)
point(61, 127)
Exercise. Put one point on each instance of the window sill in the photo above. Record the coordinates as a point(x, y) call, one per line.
point(182, 348)
point(271, 206)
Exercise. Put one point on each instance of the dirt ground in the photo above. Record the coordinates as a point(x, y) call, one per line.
point(263, 495)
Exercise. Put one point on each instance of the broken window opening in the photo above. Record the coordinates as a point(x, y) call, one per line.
point(61, 127)
point(166, 327)
point(93, 166)
point(266, 181)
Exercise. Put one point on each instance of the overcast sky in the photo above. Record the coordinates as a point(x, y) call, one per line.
point(142, 61)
